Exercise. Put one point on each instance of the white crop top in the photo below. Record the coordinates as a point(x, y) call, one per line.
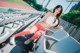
point(51, 20)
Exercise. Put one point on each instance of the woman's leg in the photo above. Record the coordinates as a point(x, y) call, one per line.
point(37, 34)
point(26, 32)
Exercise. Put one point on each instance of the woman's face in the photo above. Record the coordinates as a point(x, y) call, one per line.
point(57, 11)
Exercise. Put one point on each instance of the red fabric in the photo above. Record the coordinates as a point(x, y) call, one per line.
point(37, 34)
point(39, 27)
point(22, 33)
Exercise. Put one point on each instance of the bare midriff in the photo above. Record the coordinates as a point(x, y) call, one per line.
point(45, 25)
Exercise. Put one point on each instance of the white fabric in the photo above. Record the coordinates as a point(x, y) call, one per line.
point(51, 21)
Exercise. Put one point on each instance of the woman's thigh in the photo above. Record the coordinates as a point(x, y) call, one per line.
point(33, 29)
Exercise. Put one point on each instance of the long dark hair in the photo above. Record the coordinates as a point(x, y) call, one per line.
point(58, 6)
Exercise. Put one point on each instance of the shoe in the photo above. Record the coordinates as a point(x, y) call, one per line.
point(12, 40)
point(27, 41)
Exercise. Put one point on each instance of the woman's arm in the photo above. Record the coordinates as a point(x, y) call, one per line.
point(58, 27)
point(47, 15)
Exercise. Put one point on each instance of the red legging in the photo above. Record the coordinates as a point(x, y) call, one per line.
point(40, 30)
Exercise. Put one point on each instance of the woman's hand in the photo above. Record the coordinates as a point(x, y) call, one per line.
point(58, 27)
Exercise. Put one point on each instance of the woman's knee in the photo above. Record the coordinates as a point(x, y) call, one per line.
point(37, 34)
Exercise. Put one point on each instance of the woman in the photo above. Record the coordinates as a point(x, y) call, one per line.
point(51, 19)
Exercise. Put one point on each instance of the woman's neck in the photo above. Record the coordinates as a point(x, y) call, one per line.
point(55, 14)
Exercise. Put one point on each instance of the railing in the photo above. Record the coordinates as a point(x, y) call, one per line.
point(12, 22)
